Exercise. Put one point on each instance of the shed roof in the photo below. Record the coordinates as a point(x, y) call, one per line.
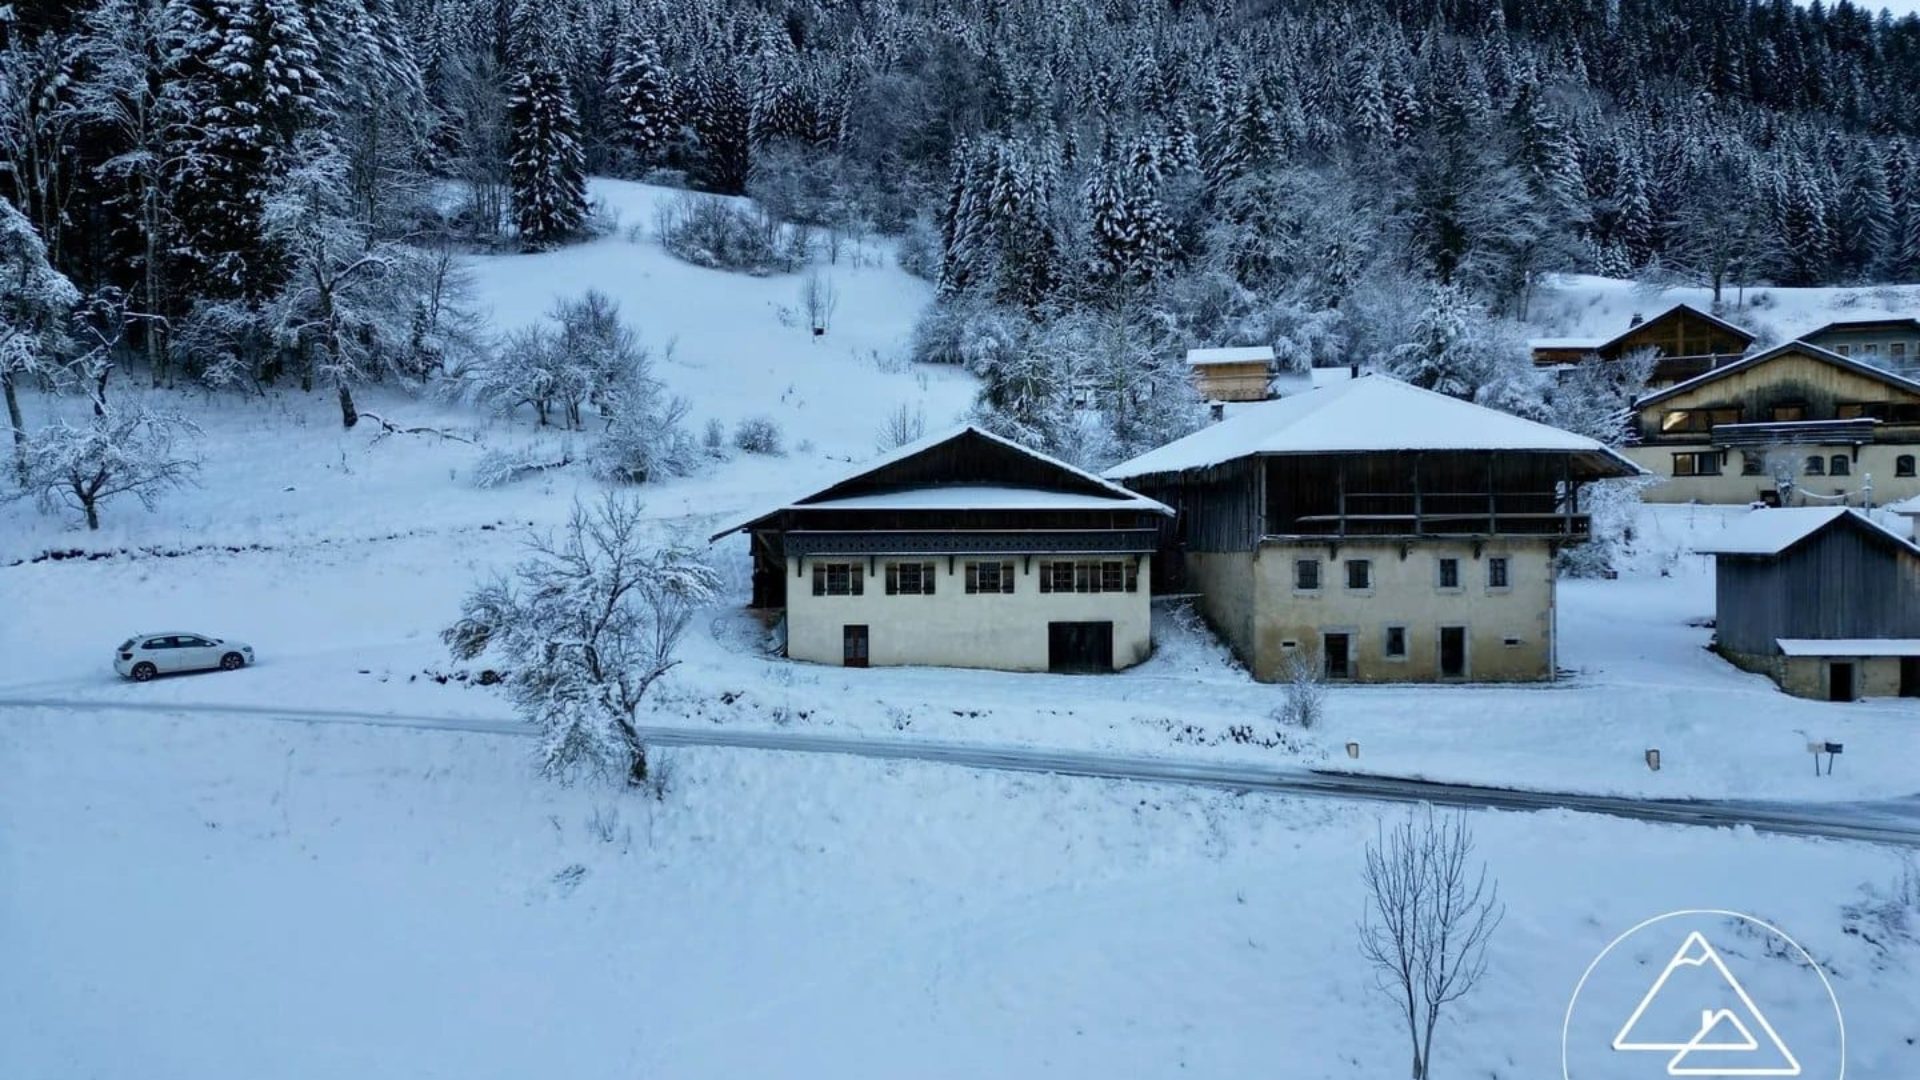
point(1849, 646)
point(1077, 489)
point(1841, 326)
point(1234, 354)
point(1774, 530)
point(1815, 352)
point(1371, 413)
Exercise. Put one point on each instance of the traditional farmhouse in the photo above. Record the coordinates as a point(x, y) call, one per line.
point(1685, 341)
point(1888, 343)
point(1824, 601)
point(1384, 532)
point(1793, 425)
point(964, 550)
point(1232, 374)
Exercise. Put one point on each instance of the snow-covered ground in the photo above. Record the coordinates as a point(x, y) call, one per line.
point(1585, 306)
point(204, 898)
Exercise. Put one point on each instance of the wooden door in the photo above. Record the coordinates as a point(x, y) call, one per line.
point(1080, 648)
point(1453, 652)
point(1910, 676)
point(1840, 680)
point(853, 646)
point(1339, 652)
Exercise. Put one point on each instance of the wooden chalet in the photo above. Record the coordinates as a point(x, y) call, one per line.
point(1685, 341)
point(962, 549)
point(1795, 424)
point(1240, 373)
point(1892, 343)
point(1825, 601)
point(1393, 533)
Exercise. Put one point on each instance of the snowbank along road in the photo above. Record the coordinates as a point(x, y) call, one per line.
point(1894, 821)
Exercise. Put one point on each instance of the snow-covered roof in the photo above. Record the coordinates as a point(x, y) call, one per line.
point(1774, 530)
point(1109, 495)
point(1238, 354)
point(1298, 382)
point(1898, 382)
point(984, 497)
point(1842, 326)
point(1372, 413)
point(1849, 646)
point(1905, 506)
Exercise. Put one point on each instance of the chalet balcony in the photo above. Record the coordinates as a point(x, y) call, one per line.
point(1858, 432)
point(1442, 514)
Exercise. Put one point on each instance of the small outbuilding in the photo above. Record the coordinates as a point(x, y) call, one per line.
point(1240, 373)
point(963, 549)
point(1825, 601)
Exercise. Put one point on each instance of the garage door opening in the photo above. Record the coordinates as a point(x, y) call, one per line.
point(1080, 648)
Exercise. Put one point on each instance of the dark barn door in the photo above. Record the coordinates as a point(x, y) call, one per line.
point(1910, 676)
point(1339, 650)
point(1453, 652)
point(1080, 648)
point(1840, 680)
point(853, 646)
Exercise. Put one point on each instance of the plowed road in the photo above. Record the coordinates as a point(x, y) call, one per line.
point(1894, 821)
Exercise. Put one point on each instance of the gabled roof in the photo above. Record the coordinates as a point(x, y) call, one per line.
point(1748, 363)
point(1845, 325)
point(1773, 531)
point(1739, 332)
point(1371, 413)
point(892, 482)
point(1236, 354)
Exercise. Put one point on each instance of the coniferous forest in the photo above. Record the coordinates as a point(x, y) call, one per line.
point(250, 191)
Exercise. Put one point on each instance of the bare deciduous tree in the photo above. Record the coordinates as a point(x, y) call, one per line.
point(586, 626)
point(129, 450)
point(903, 425)
point(1430, 914)
point(820, 298)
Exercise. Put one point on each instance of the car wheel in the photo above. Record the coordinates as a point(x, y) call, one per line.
point(143, 671)
point(233, 661)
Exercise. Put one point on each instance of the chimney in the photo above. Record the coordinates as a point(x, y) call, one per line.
point(1636, 321)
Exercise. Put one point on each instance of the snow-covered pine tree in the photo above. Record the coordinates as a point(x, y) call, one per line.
point(642, 93)
point(255, 83)
point(545, 161)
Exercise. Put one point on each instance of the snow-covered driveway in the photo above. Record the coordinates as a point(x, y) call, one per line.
point(1893, 821)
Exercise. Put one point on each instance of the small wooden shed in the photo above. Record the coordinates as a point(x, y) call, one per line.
point(1825, 601)
point(1241, 373)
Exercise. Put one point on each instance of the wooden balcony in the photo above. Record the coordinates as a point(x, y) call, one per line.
point(1442, 514)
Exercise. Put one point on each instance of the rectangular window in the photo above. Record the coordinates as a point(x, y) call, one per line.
point(1897, 350)
point(1703, 464)
point(910, 579)
point(1497, 572)
point(1359, 574)
point(1306, 574)
point(1789, 412)
point(1090, 576)
point(1843, 350)
point(1839, 466)
point(1449, 573)
point(1864, 410)
point(1873, 348)
point(989, 577)
point(1396, 643)
point(1903, 465)
point(1816, 466)
point(1752, 463)
point(1680, 421)
point(836, 579)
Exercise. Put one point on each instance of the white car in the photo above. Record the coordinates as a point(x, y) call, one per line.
point(143, 656)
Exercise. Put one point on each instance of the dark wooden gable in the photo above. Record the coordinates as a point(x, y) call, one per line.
point(1849, 579)
point(1681, 331)
point(969, 457)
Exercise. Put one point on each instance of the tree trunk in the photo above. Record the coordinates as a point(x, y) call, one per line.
point(93, 514)
point(637, 773)
point(156, 356)
point(349, 416)
point(19, 426)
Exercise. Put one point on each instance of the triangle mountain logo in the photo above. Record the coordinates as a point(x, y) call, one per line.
point(1698, 1012)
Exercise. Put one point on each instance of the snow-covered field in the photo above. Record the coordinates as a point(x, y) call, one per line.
point(205, 894)
point(205, 898)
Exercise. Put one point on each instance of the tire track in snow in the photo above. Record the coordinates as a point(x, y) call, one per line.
point(1894, 822)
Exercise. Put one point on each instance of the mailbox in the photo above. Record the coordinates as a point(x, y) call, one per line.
point(1653, 760)
point(1832, 748)
point(1353, 749)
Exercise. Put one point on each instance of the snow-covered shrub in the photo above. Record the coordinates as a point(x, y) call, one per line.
point(903, 425)
point(645, 436)
point(714, 440)
point(757, 435)
point(583, 628)
point(723, 234)
point(1306, 689)
point(498, 468)
point(558, 367)
point(968, 331)
point(121, 450)
point(1612, 506)
point(918, 250)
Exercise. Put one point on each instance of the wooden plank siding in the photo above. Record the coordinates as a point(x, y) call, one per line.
point(1842, 582)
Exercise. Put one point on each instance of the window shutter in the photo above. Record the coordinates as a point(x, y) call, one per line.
point(1006, 578)
point(1046, 577)
point(1133, 577)
point(973, 578)
point(926, 578)
point(893, 579)
point(855, 573)
point(819, 580)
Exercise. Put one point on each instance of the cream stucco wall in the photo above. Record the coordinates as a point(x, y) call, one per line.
point(1806, 676)
point(1731, 488)
point(1406, 592)
point(954, 629)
